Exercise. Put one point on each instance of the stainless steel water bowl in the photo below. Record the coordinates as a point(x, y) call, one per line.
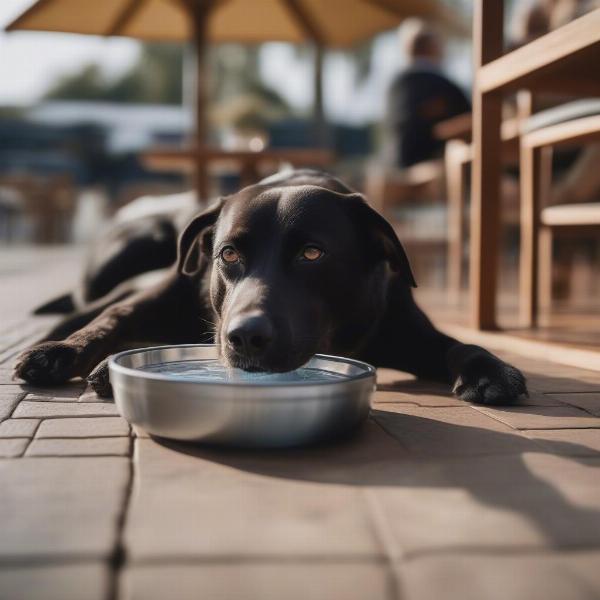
point(238, 413)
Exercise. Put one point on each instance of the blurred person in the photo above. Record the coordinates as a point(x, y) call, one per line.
point(420, 97)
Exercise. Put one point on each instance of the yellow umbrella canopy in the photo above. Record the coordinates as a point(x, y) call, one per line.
point(332, 23)
point(336, 23)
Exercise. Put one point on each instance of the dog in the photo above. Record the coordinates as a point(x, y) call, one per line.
point(294, 265)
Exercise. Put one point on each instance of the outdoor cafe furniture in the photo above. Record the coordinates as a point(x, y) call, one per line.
point(575, 123)
point(251, 165)
point(458, 155)
point(563, 61)
point(47, 203)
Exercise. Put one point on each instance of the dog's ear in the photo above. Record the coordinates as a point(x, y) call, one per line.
point(196, 239)
point(381, 237)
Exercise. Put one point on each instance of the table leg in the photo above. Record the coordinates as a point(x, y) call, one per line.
point(485, 188)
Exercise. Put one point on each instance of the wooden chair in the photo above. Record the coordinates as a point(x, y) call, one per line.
point(48, 202)
point(457, 158)
point(540, 223)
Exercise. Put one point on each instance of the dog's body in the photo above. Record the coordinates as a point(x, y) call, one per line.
point(277, 272)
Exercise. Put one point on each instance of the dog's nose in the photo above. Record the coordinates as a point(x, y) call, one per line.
point(250, 335)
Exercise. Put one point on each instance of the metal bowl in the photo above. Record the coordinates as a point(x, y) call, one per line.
point(238, 413)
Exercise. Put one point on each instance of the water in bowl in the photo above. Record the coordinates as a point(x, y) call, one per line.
point(207, 371)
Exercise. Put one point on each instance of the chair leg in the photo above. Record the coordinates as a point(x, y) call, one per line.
point(536, 177)
point(455, 190)
point(544, 285)
point(529, 179)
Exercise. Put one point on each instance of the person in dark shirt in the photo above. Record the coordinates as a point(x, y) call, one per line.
point(420, 97)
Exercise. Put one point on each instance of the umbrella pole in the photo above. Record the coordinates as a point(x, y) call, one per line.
point(199, 11)
point(320, 133)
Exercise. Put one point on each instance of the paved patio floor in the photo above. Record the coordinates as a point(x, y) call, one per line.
point(432, 499)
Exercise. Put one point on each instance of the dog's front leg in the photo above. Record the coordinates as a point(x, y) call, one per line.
point(411, 343)
point(134, 318)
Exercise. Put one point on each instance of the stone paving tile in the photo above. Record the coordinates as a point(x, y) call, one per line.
point(571, 442)
point(97, 446)
point(8, 402)
point(429, 398)
point(561, 384)
point(415, 398)
point(72, 390)
point(55, 582)
point(588, 402)
point(48, 398)
point(500, 502)
point(6, 375)
point(262, 581)
point(541, 417)
point(64, 409)
point(448, 431)
point(59, 507)
point(85, 427)
point(12, 428)
point(12, 388)
point(247, 503)
point(552, 576)
point(546, 368)
point(13, 447)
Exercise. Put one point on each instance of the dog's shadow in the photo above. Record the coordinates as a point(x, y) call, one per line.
point(502, 470)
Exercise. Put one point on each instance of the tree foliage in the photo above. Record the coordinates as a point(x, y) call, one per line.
point(156, 77)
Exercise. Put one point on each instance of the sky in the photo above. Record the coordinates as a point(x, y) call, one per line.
point(31, 61)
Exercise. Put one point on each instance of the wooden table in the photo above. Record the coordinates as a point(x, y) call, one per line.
point(565, 60)
point(249, 164)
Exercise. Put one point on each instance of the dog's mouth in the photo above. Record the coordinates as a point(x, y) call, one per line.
point(290, 362)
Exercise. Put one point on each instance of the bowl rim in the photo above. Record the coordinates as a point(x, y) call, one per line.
point(113, 363)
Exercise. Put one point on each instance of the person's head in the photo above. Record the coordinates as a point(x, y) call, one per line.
point(420, 40)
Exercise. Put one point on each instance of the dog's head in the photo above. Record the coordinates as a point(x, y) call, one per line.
point(293, 271)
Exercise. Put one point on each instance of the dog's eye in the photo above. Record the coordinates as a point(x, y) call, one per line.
point(311, 253)
point(229, 254)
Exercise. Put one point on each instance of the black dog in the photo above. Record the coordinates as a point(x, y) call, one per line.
point(278, 272)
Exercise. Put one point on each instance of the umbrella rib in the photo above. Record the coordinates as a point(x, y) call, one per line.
point(16, 24)
point(308, 25)
point(124, 17)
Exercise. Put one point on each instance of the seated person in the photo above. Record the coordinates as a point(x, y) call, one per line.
point(420, 97)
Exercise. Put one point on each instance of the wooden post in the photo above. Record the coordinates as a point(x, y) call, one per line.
point(485, 203)
point(320, 131)
point(198, 13)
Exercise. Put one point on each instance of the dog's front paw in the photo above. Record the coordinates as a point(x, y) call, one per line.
point(485, 379)
point(100, 381)
point(48, 363)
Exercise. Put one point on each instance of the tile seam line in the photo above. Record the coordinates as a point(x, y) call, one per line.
point(119, 555)
point(32, 437)
point(381, 530)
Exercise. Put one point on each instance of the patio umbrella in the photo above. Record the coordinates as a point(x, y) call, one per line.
point(326, 23)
